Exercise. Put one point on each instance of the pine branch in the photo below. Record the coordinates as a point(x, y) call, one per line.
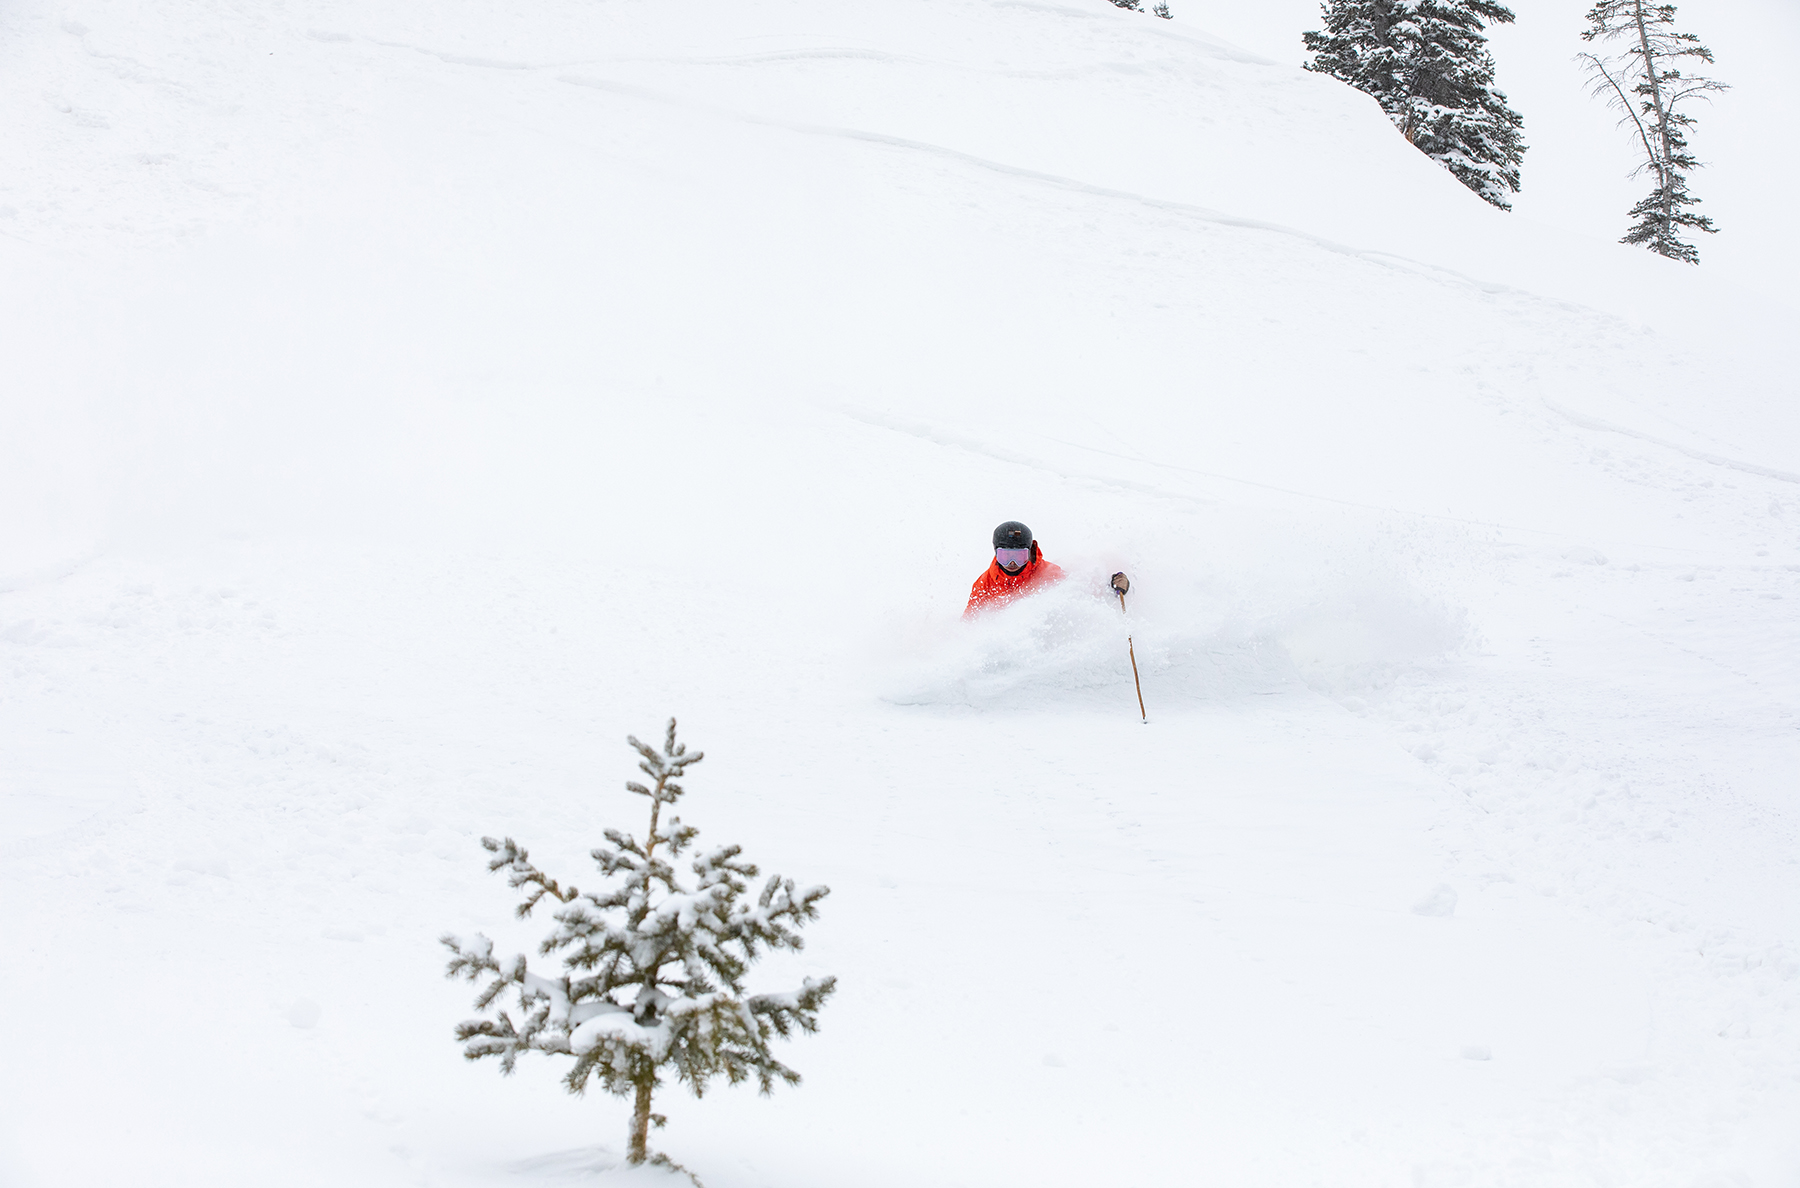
point(513, 859)
point(1597, 65)
point(798, 1009)
point(664, 768)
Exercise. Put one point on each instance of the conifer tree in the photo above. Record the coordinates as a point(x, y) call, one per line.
point(1646, 83)
point(653, 967)
point(1161, 9)
point(1427, 63)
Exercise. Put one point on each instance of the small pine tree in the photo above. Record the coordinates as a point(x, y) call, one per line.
point(1130, 4)
point(1162, 10)
point(652, 969)
point(1427, 63)
point(1649, 68)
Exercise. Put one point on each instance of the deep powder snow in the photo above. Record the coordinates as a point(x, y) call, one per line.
point(407, 401)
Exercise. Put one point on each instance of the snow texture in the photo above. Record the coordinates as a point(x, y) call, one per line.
point(402, 401)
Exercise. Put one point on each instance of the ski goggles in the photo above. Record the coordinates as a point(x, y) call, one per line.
point(1012, 558)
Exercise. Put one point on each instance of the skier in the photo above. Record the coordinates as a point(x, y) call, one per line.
point(1018, 568)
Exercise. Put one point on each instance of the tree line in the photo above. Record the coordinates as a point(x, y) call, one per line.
point(1427, 63)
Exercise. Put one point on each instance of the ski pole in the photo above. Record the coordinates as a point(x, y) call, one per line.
point(1142, 712)
point(1120, 584)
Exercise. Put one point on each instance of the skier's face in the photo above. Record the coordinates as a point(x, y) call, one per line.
point(1012, 560)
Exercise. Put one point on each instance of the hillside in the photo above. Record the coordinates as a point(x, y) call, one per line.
point(408, 401)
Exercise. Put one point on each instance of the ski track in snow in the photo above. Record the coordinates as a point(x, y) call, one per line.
point(1072, 185)
point(1600, 426)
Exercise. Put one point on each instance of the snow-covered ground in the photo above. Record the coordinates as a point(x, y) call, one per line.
point(404, 402)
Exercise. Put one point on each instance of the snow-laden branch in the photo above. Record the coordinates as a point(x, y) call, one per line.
point(653, 965)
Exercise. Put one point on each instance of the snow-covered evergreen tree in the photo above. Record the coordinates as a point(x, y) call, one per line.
point(1427, 63)
point(653, 968)
point(1161, 9)
point(1646, 83)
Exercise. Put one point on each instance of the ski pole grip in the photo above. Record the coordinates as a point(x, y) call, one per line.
point(1121, 583)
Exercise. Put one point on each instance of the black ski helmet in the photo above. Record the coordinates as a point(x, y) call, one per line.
point(1012, 535)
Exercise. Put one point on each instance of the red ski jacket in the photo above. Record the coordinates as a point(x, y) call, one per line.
point(997, 587)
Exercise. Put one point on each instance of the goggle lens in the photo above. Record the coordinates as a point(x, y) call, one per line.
point(1012, 558)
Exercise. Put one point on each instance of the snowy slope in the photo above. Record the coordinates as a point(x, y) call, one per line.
point(408, 401)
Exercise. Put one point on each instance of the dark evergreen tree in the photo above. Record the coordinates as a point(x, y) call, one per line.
point(1161, 9)
point(1427, 63)
point(1645, 81)
point(653, 967)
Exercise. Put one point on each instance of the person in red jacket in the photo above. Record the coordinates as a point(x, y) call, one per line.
point(1018, 568)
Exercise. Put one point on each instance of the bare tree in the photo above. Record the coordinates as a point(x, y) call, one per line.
point(1645, 82)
